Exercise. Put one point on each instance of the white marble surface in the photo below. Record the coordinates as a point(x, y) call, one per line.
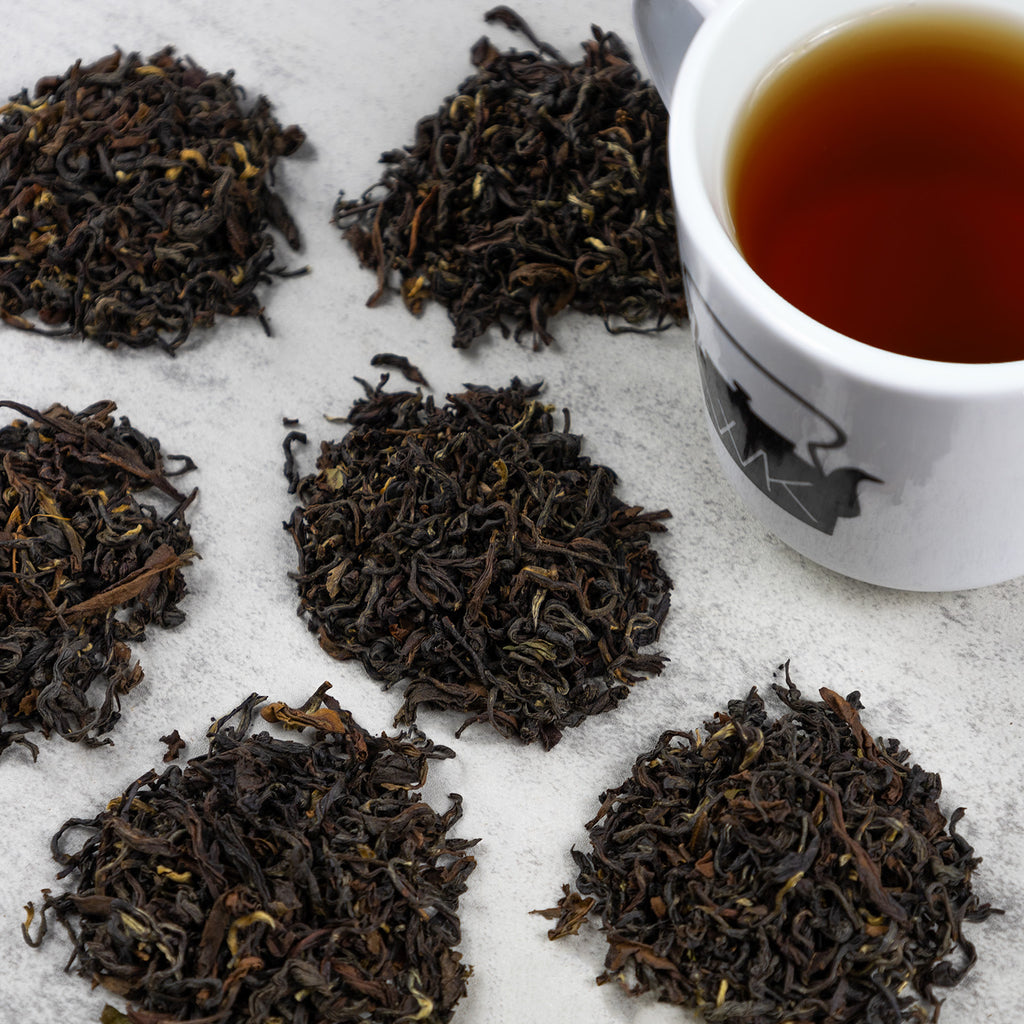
point(940, 671)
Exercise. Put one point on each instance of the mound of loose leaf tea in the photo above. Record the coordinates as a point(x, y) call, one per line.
point(780, 871)
point(539, 185)
point(472, 552)
point(85, 566)
point(271, 879)
point(135, 201)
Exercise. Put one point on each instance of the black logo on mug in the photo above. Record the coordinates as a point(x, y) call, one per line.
point(767, 457)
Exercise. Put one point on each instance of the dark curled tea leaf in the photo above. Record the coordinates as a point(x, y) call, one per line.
point(472, 552)
point(85, 567)
point(175, 745)
point(272, 879)
point(408, 370)
point(783, 871)
point(539, 185)
point(135, 200)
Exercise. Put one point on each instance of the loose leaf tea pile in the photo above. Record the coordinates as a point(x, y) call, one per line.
point(272, 880)
point(539, 185)
point(472, 551)
point(85, 567)
point(135, 200)
point(774, 872)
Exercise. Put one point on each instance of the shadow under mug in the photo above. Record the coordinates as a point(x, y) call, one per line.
point(898, 471)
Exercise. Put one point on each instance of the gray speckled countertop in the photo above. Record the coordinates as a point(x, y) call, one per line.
point(940, 671)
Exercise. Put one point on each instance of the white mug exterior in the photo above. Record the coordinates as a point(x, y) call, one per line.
point(898, 471)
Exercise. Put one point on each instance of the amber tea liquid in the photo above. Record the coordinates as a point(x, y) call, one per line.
point(876, 182)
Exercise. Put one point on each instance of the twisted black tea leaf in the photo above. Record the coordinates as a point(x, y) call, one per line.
point(85, 566)
point(771, 872)
point(408, 370)
point(539, 185)
point(135, 200)
point(272, 880)
point(474, 553)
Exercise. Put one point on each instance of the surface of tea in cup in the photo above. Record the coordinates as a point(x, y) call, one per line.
point(875, 180)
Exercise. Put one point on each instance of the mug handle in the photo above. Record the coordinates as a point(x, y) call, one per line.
point(664, 30)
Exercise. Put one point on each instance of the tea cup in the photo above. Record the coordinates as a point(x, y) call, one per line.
point(895, 470)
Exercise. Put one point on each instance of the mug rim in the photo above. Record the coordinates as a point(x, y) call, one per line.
point(700, 220)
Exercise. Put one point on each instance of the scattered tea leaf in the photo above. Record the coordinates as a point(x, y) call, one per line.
point(540, 185)
point(136, 201)
point(271, 879)
point(86, 567)
point(408, 370)
point(779, 871)
point(175, 745)
point(472, 552)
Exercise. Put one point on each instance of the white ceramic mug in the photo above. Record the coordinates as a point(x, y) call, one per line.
point(899, 471)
